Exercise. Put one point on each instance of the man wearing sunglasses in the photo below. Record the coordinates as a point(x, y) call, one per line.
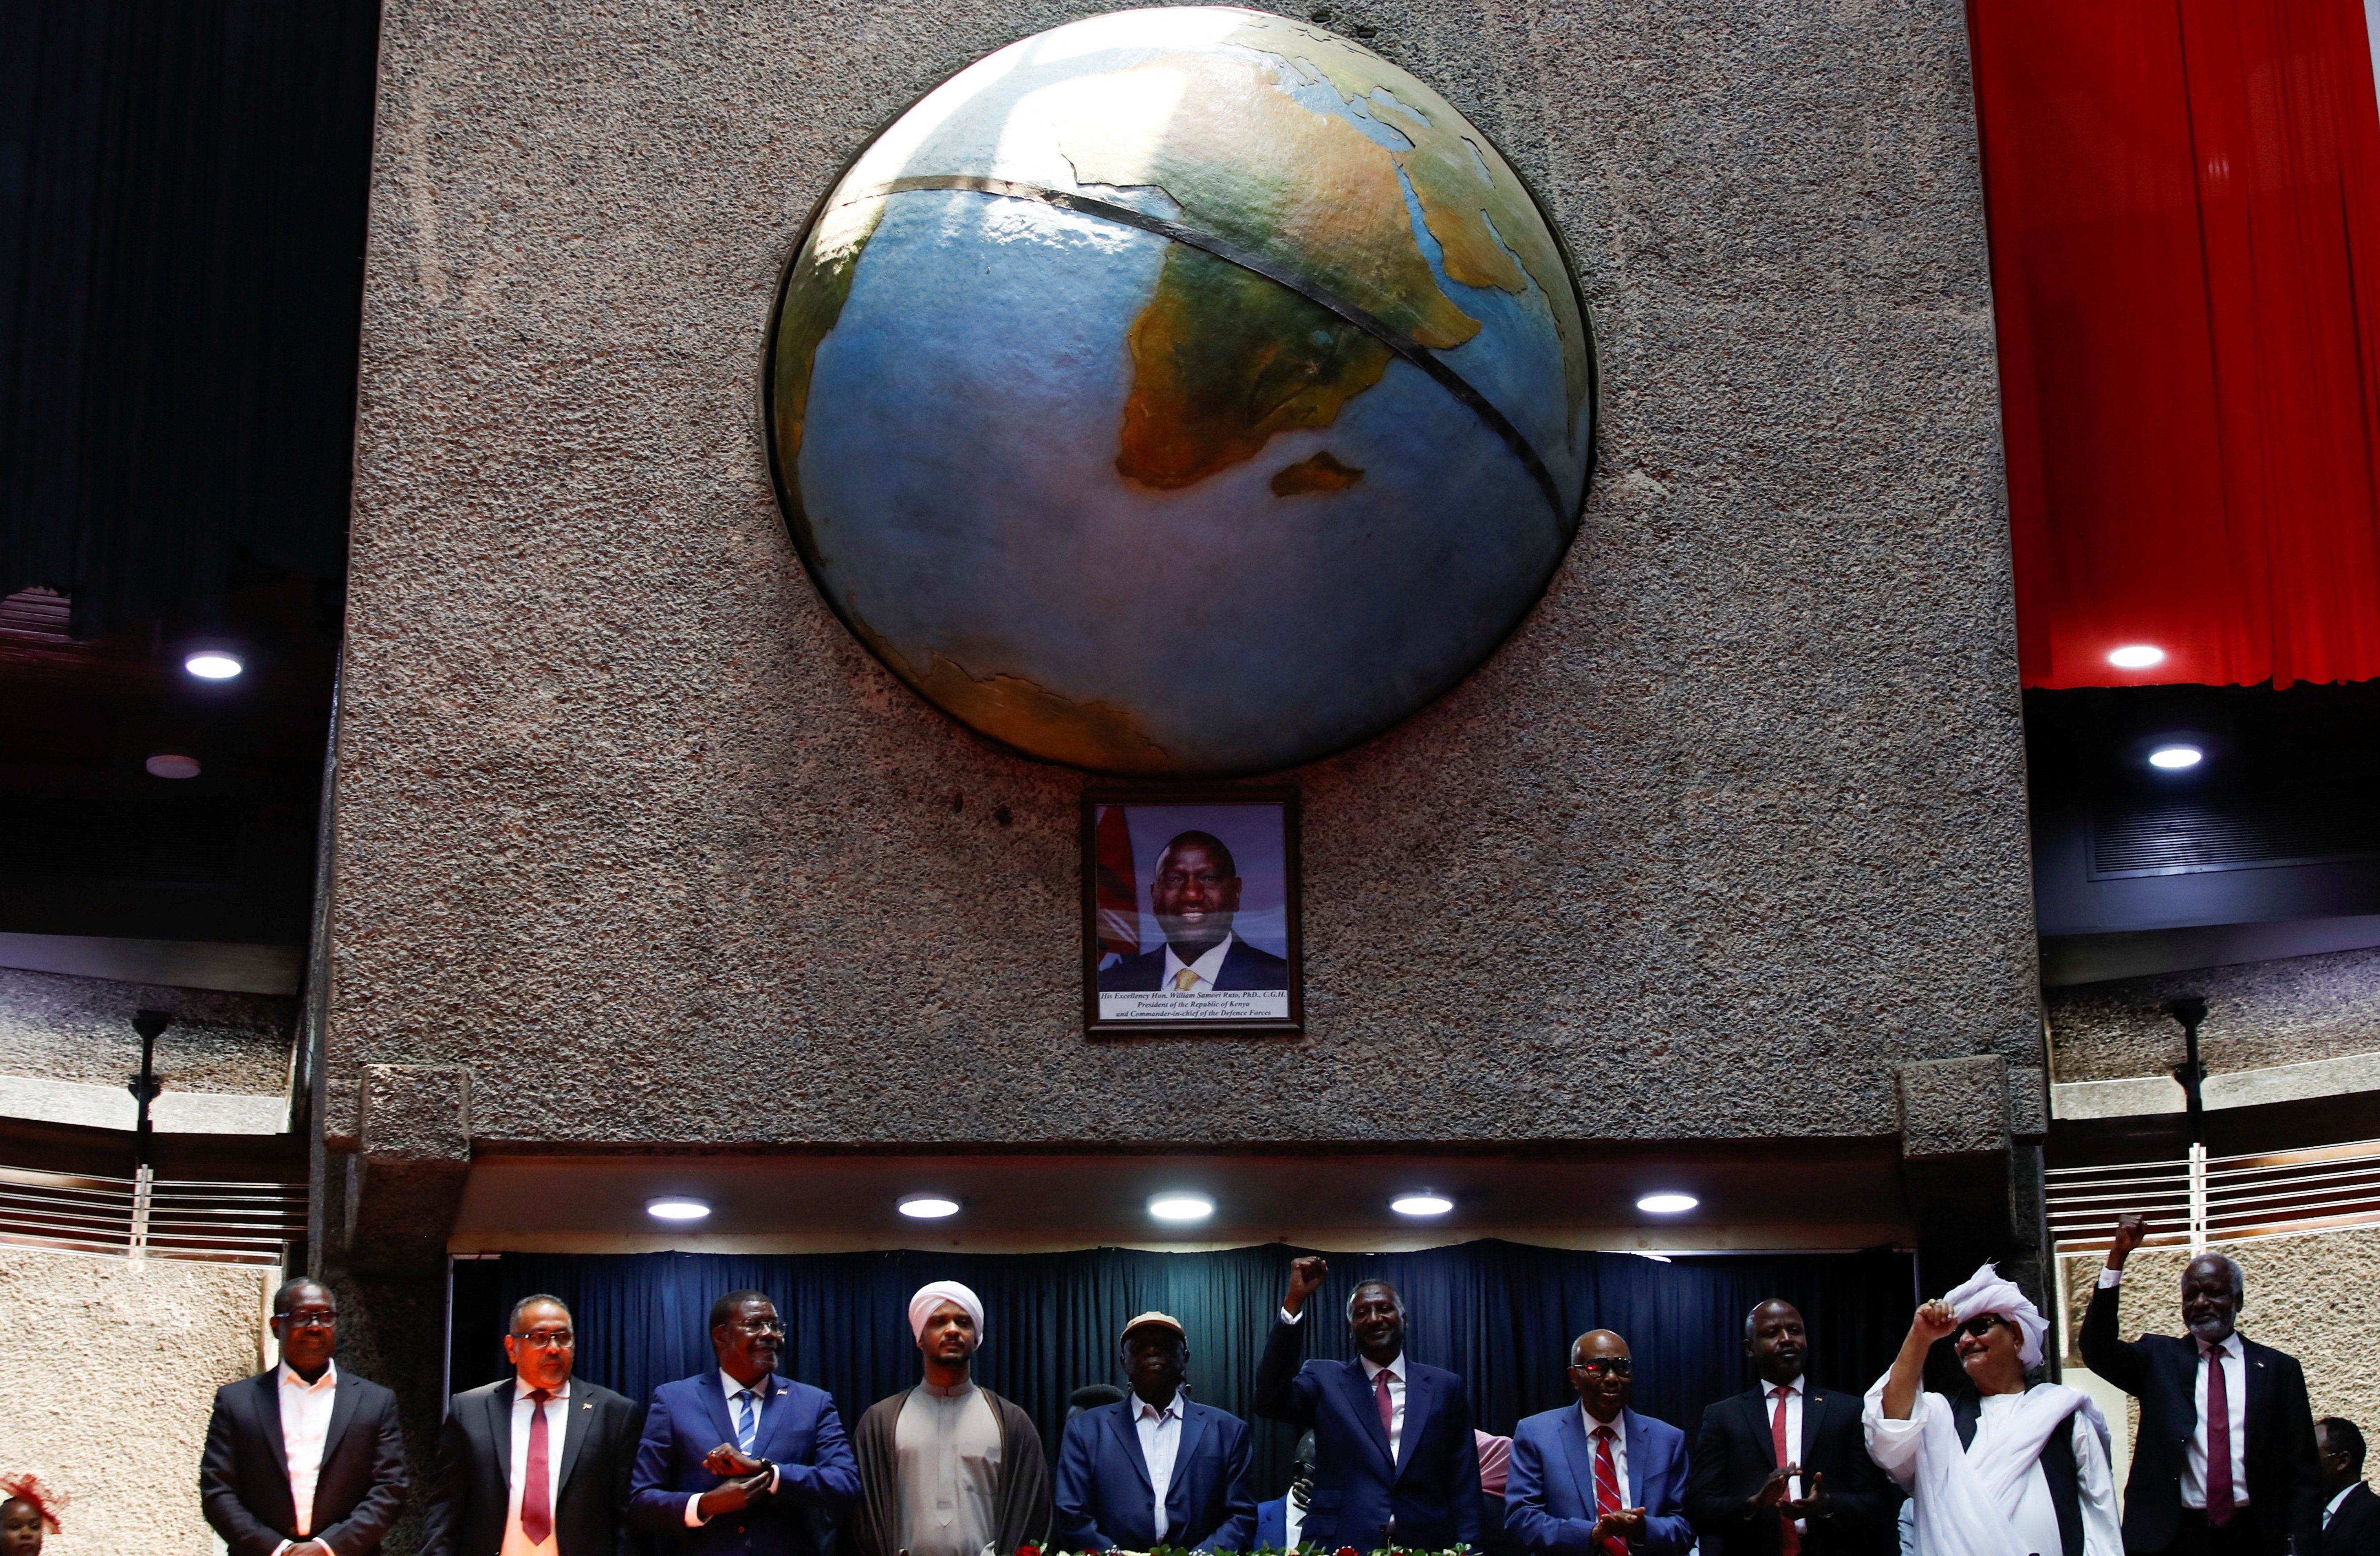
point(537, 1464)
point(1596, 1478)
point(2001, 1468)
point(739, 1458)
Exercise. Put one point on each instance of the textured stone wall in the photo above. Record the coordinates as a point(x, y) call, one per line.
point(2258, 1014)
point(107, 1372)
point(2309, 1297)
point(57, 1027)
point(1731, 827)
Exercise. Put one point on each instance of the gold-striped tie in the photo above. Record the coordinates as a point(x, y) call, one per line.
point(1185, 981)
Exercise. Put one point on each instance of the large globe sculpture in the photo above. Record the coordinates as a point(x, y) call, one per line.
point(1181, 391)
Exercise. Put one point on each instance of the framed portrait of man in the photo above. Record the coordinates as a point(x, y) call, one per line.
point(1190, 911)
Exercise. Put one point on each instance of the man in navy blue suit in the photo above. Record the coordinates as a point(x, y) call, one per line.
point(1196, 895)
point(1596, 1478)
point(1154, 1468)
point(740, 1459)
point(1394, 1458)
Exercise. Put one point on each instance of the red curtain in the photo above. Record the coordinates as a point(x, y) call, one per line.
point(2185, 228)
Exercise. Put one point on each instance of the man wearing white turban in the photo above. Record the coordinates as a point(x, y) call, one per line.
point(948, 1468)
point(1999, 1469)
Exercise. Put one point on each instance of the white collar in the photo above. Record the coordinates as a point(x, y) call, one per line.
point(760, 1391)
point(1619, 1424)
point(2229, 1347)
point(521, 1390)
point(330, 1378)
point(2332, 1506)
point(1796, 1388)
point(1207, 965)
point(1142, 1410)
point(1394, 1366)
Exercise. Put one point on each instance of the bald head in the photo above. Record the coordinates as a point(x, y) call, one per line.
point(1603, 1373)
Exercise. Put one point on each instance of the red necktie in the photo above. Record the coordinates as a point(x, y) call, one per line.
point(1789, 1540)
point(537, 1490)
point(1387, 1410)
point(2219, 1441)
point(1608, 1500)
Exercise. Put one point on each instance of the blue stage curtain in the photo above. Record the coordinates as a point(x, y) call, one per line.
point(1502, 1314)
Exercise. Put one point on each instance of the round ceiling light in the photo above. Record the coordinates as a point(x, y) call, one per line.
point(166, 765)
point(2173, 758)
point(2136, 656)
point(1668, 1204)
point(1181, 1207)
point(928, 1207)
point(212, 664)
point(1422, 1204)
point(676, 1207)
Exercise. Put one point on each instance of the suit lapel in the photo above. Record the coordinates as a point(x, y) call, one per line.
point(1368, 1408)
point(1814, 1405)
point(1194, 1422)
point(1634, 1438)
point(1755, 1409)
point(2258, 1380)
point(1417, 1403)
point(1581, 1458)
point(268, 1414)
point(577, 1417)
point(1127, 1435)
point(715, 1395)
point(500, 1426)
point(344, 1404)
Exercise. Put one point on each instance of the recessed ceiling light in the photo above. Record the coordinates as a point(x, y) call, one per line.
point(1422, 1204)
point(676, 1207)
point(1181, 1207)
point(2136, 656)
point(165, 765)
point(2175, 757)
point(928, 1206)
point(212, 664)
point(1667, 1204)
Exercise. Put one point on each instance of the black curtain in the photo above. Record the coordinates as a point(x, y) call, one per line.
point(182, 204)
point(1500, 1314)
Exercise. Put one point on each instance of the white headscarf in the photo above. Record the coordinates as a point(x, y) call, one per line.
point(1986, 1292)
point(932, 1295)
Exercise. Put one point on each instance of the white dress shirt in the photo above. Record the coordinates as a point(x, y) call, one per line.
point(1203, 971)
point(1160, 1439)
point(2331, 1506)
point(557, 1422)
point(1792, 1433)
point(2235, 1389)
point(1372, 1371)
point(694, 1519)
point(1618, 1453)
point(305, 1427)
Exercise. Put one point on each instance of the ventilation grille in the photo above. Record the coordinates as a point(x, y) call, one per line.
point(38, 614)
point(2182, 837)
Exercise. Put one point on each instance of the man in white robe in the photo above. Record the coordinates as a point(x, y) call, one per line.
point(2008, 1470)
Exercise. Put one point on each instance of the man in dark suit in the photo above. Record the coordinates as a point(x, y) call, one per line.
point(538, 1463)
point(776, 1456)
point(1154, 1468)
point(1782, 1469)
point(1196, 894)
point(1280, 1523)
point(1596, 1478)
point(1394, 1458)
point(304, 1460)
point(2225, 1459)
point(2351, 1513)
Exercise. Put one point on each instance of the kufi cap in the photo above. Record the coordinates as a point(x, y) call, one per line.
point(1153, 1318)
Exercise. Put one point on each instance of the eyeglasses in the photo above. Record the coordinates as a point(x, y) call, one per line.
point(309, 1320)
point(1981, 1324)
point(548, 1339)
point(759, 1326)
point(1601, 1367)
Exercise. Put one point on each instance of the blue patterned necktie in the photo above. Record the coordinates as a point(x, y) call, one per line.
point(747, 1424)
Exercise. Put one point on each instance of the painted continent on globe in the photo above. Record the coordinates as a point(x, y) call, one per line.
point(1181, 391)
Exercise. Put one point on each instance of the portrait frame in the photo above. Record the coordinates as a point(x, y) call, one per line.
point(1262, 823)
